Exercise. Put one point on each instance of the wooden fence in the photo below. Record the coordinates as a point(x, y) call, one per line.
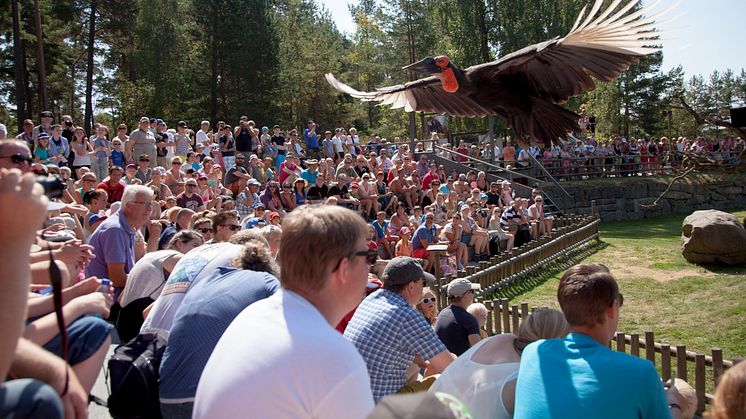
point(501, 271)
point(701, 371)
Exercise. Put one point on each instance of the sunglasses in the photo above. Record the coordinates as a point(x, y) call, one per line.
point(191, 185)
point(204, 230)
point(427, 300)
point(19, 158)
point(233, 227)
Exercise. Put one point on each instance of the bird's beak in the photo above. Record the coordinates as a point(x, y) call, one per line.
point(425, 65)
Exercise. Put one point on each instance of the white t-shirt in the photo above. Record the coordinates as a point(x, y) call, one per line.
point(204, 139)
point(337, 142)
point(199, 263)
point(281, 359)
point(146, 277)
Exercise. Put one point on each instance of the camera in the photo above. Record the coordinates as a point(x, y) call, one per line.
point(69, 123)
point(53, 186)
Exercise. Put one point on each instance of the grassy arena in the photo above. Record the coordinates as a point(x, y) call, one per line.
point(701, 307)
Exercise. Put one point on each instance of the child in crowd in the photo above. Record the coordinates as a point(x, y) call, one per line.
point(404, 245)
point(383, 238)
point(117, 154)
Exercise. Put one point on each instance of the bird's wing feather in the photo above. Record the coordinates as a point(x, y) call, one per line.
point(598, 46)
point(423, 95)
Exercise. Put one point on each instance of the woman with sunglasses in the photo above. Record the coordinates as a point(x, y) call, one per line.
point(428, 306)
point(82, 150)
point(299, 190)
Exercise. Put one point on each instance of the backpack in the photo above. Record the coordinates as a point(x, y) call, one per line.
point(133, 377)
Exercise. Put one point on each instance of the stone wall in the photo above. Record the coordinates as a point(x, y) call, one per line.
point(624, 199)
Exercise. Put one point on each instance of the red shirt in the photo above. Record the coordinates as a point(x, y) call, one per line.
point(115, 192)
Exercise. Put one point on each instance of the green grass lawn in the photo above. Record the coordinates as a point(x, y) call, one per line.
point(685, 304)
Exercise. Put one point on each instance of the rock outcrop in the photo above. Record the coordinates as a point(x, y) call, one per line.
point(713, 237)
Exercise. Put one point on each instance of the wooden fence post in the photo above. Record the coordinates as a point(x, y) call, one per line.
point(717, 365)
point(650, 346)
point(665, 361)
point(699, 381)
point(516, 318)
point(634, 344)
point(620, 343)
point(490, 316)
point(505, 308)
point(681, 371)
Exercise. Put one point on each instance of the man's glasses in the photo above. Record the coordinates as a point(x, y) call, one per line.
point(233, 227)
point(191, 185)
point(146, 204)
point(19, 158)
point(427, 300)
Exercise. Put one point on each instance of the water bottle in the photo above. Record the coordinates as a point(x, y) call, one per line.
point(104, 289)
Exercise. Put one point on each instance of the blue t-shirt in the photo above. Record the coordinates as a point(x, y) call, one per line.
point(577, 377)
point(422, 233)
point(311, 138)
point(113, 242)
point(309, 176)
point(206, 311)
point(117, 158)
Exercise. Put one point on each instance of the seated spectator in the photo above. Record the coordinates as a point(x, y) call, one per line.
point(95, 202)
point(730, 395)
point(200, 322)
point(385, 241)
point(292, 331)
point(455, 327)
point(579, 376)
point(404, 245)
point(484, 377)
point(146, 280)
point(479, 311)
point(428, 306)
point(389, 332)
point(423, 237)
point(497, 233)
point(451, 234)
point(192, 268)
point(541, 223)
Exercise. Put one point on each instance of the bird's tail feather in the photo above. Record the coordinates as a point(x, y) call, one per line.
point(546, 122)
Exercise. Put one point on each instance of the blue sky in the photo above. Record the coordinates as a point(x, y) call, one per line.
point(708, 35)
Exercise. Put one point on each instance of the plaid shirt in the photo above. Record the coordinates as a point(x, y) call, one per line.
point(242, 208)
point(388, 332)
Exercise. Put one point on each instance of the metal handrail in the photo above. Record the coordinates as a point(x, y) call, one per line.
point(480, 161)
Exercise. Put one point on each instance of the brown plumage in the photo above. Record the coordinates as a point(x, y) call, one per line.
point(526, 86)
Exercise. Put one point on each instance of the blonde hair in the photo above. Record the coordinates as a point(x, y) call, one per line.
point(313, 242)
point(730, 396)
point(479, 311)
point(544, 323)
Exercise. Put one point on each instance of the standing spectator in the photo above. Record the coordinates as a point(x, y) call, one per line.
point(312, 141)
point(455, 327)
point(293, 333)
point(390, 333)
point(143, 141)
point(81, 150)
point(579, 376)
point(228, 148)
point(182, 142)
point(45, 126)
point(202, 136)
point(59, 147)
point(101, 149)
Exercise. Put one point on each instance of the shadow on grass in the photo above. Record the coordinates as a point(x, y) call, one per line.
point(724, 270)
point(550, 270)
point(666, 227)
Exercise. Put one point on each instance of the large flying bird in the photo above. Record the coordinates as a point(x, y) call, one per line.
point(526, 86)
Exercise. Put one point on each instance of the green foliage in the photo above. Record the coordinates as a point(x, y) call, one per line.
point(220, 59)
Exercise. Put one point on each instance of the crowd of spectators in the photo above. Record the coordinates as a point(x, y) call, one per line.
point(246, 263)
point(582, 156)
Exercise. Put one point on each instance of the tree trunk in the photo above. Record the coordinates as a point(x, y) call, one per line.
point(19, 67)
point(214, 77)
point(89, 71)
point(41, 68)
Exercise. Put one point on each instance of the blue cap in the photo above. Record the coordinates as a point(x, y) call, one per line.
point(254, 221)
point(265, 129)
point(484, 196)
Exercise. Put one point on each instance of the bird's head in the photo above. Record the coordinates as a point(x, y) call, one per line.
point(441, 68)
point(430, 65)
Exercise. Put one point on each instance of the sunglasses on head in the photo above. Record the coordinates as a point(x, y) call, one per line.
point(19, 158)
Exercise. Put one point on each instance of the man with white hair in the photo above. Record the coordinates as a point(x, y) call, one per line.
point(114, 240)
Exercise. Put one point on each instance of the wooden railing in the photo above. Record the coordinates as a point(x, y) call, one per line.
point(701, 371)
point(502, 271)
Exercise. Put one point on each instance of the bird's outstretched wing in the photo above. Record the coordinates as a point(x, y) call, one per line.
point(423, 95)
point(598, 45)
